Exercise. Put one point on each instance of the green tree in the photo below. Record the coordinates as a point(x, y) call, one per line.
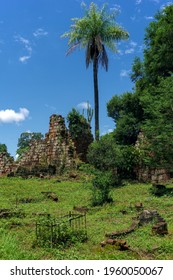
point(3, 148)
point(104, 155)
point(157, 128)
point(25, 140)
point(80, 132)
point(127, 113)
point(158, 52)
point(94, 32)
point(107, 156)
point(137, 70)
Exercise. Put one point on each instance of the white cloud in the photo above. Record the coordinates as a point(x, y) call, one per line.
point(149, 18)
point(116, 8)
point(124, 73)
point(133, 44)
point(106, 130)
point(120, 52)
point(130, 47)
point(16, 156)
point(24, 58)
point(40, 32)
point(10, 116)
point(83, 105)
point(27, 45)
point(165, 5)
point(128, 51)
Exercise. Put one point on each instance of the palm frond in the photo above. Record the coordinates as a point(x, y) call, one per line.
point(95, 31)
point(72, 48)
point(103, 58)
point(88, 55)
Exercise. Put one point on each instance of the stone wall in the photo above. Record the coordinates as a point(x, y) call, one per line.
point(56, 149)
point(6, 163)
point(157, 175)
point(146, 173)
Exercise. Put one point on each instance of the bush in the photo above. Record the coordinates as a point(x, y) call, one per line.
point(106, 155)
point(87, 168)
point(80, 132)
point(102, 185)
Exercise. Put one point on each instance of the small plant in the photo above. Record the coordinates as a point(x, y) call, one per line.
point(86, 168)
point(102, 185)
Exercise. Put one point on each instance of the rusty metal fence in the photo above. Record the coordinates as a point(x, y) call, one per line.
point(51, 231)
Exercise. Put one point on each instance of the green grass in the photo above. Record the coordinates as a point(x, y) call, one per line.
point(17, 234)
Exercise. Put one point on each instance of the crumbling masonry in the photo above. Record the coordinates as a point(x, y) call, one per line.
point(56, 150)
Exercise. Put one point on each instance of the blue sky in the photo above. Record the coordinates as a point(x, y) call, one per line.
point(38, 80)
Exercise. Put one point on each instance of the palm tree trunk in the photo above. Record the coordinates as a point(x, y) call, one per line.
point(96, 96)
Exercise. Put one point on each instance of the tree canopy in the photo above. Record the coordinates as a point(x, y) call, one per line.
point(144, 118)
point(3, 148)
point(158, 52)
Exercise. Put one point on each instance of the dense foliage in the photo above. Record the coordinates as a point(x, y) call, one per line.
point(147, 111)
point(3, 148)
point(158, 126)
point(106, 155)
point(80, 132)
point(127, 114)
point(101, 190)
point(158, 53)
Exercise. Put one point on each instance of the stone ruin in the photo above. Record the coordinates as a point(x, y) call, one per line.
point(159, 227)
point(149, 174)
point(56, 150)
point(6, 163)
point(155, 175)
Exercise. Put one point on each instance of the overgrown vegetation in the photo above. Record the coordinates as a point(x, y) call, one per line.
point(80, 132)
point(101, 188)
point(18, 237)
point(145, 112)
point(96, 187)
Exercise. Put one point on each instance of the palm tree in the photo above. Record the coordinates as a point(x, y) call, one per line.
point(95, 31)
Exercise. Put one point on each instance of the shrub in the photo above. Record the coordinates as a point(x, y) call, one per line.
point(102, 185)
point(86, 168)
point(106, 155)
point(80, 132)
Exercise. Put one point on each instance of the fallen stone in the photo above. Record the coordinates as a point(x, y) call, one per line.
point(160, 228)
